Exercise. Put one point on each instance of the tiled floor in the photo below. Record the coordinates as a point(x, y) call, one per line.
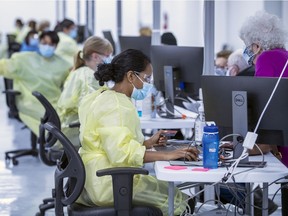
point(23, 187)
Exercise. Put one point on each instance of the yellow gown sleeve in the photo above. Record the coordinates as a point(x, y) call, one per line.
point(70, 95)
point(120, 146)
point(9, 67)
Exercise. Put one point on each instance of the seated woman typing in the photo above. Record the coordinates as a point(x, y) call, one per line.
point(111, 136)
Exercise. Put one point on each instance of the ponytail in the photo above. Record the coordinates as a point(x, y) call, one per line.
point(79, 61)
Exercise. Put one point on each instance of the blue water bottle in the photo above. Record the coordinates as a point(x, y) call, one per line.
point(210, 142)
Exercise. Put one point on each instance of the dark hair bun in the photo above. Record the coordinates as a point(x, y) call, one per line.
point(104, 73)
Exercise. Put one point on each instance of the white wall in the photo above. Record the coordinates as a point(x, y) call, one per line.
point(229, 16)
point(26, 10)
point(106, 16)
point(185, 17)
point(185, 20)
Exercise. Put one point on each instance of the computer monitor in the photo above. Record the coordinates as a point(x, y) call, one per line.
point(183, 64)
point(82, 33)
point(109, 37)
point(217, 96)
point(141, 43)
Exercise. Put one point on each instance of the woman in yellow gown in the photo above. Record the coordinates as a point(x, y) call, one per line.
point(111, 136)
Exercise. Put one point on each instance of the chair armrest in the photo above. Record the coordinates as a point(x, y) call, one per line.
point(11, 92)
point(122, 179)
point(122, 170)
point(74, 125)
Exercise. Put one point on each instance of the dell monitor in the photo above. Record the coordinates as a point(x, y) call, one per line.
point(141, 43)
point(218, 105)
point(177, 70)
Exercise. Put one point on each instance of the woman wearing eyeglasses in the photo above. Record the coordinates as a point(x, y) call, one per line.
point(111, 135)
point(81, 82)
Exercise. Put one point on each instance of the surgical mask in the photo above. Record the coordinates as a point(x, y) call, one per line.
point(220, 71)
point(140, 94)
point(73, 33)
point(46, 29)
point(33, 41)
point(46, 50)
point(107, 60)
point(248, 55)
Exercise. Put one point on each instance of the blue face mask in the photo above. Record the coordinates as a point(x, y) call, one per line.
point(46, 51)
point(140, 94)
point(107, 60)
point(73, 33)
point(220, 71)
point(248, 55)
point(33, 41)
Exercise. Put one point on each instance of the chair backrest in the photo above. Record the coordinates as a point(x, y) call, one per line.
point(69, 169)
point(13, 46)
point(11, 98)
point(46, 140)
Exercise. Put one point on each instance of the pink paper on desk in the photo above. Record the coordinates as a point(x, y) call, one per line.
point(175, 167)
point(200, 169)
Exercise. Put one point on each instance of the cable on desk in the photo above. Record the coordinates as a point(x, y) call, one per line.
point(248, 194)
point(217, 201)
point(280, 188)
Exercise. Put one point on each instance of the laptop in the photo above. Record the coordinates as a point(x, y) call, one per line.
point(174, 144)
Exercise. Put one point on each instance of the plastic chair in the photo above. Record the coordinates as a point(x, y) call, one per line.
point(70, 169)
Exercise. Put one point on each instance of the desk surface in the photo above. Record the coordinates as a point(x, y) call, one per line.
point(273, 171)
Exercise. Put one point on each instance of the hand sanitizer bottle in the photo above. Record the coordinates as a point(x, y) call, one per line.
point(200, 120)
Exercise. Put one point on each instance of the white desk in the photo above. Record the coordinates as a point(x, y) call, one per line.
point(160, 123)
point(273, 171)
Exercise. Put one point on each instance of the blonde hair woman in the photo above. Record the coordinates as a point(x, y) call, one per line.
point(81, 82)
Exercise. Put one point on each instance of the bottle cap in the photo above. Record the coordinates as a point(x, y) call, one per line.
point(210, 129)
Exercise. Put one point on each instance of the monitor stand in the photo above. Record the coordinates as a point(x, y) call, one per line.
point(240, 126)
point(169, 91)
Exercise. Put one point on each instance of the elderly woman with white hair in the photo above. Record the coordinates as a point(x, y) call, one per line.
point(265, 41)
point(236, 63)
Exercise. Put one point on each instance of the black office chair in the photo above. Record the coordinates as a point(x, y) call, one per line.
point(70, 169)
point(13, 112)
point(47, 140)
point(13, 46)
point(11, 98)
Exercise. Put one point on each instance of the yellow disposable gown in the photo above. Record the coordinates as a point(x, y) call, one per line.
point(78, 84)
point(32, 72)
point(111, 136)
point(67, 47)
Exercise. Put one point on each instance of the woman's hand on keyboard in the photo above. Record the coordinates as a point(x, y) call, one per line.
point(190, 154)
